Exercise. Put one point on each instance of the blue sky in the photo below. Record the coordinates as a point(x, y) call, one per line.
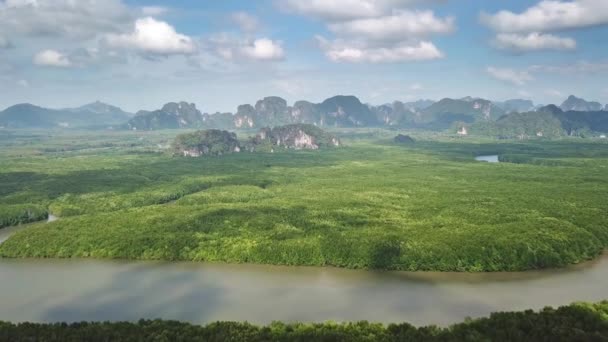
point(219, 54)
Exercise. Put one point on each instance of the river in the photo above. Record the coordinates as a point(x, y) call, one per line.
point(49, 290)
point(489, 159)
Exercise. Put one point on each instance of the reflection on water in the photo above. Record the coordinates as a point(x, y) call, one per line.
point(76, 290)
point(489, 159)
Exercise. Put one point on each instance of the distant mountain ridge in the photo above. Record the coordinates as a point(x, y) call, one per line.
point(171, 115)
point(93, 115)
point(515, 105)
point(491, 117)
point(574, 103)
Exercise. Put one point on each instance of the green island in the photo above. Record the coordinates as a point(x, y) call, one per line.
point(368, 202)
point(575, 322)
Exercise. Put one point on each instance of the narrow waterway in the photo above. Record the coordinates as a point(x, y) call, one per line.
point(488, 159)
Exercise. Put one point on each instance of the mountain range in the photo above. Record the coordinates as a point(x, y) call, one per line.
point(516, 117)
point(93, 115)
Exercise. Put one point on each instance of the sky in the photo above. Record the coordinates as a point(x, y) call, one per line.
point(218, 54)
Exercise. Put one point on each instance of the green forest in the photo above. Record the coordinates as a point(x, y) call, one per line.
point(372, 203)
point(576, 322)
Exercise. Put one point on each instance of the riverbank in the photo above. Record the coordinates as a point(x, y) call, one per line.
point(575, 322)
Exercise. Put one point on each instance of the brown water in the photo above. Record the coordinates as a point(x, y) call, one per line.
point(76, 290)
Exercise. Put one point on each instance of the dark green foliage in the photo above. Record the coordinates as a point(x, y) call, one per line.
point(576, 322)
point(371, 204)
point(12, 215)
point(522, 125)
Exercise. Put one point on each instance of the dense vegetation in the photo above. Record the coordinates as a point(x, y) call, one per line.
point(371, 204)
point(12, 215)
point(576, 322)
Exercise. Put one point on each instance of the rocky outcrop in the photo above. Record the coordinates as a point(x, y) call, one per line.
point(346, 111)
point(206, 142)
point(295, 136)
point(574, 103)
point(172, 115)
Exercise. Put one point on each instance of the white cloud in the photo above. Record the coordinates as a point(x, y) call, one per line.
point(398, 26)
point(264, 49)
point(509, 75)
point(23, 83)
point(533, 42)
point(246, 22)
point(80, 19)
point(52, 58)
point(368, 31)
point(340, 51)
point(154, 37)
point(550, 15)
point(335, 10)
point(234, 48)
point(154, 11)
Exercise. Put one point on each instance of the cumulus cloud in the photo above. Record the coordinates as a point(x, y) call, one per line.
point(550, 15)
point(66, 18)
point(398, 26)
point(526, 31)
point(342, 9)
point(245, 21)
point(52, 58)
point(509, 75)
point(230, 47)
point(532, 42)
point(375, 31)
point(264, 49)
point(153, 37)
point(344, 51)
